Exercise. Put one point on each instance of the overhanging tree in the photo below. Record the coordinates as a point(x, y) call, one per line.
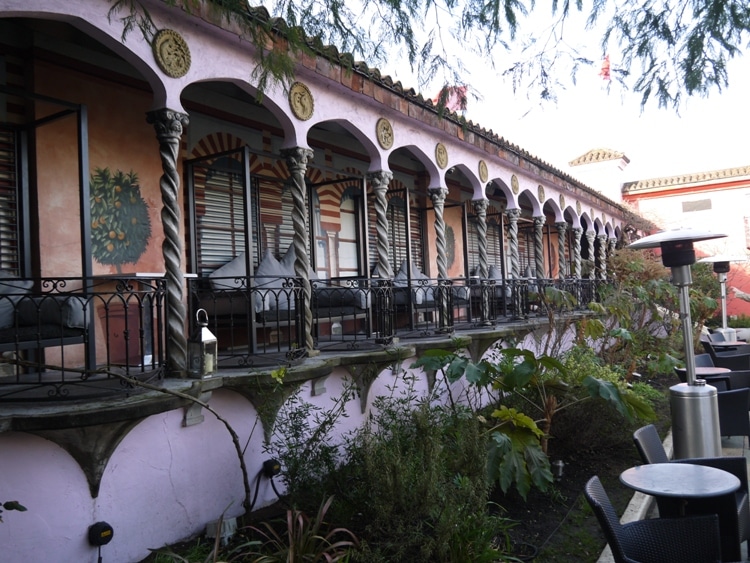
point(668, 49)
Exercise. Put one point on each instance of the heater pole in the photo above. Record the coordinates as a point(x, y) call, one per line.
point(683, 279)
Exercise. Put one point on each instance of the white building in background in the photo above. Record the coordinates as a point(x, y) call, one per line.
point(602, 169)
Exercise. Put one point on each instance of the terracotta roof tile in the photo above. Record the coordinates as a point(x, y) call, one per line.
point(685, 179)
point(598, 155)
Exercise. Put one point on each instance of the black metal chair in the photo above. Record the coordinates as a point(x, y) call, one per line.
point(739, 379)
point(733, 412)
point(660, 540)
point(703, 361)
point(733, 509)
point(738, 359)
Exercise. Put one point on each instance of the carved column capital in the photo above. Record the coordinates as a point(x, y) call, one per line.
point(481, 206)
point(380, 179)
point(168, 123)
point(438, 195)
point(297, 158)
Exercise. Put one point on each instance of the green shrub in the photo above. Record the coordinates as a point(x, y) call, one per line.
point(738, 321)
point(416, 477)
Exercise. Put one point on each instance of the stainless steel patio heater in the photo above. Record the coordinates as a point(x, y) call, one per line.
point(694, 405)
point(721, 269)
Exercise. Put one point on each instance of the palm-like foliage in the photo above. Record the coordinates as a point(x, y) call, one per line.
point(307, 540)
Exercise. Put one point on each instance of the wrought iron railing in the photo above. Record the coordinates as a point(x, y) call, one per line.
point(258, 320)
point(71, 338)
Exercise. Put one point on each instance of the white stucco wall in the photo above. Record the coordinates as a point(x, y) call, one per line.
point(721, 211)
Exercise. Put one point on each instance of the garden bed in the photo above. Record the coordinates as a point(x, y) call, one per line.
point(560, 524)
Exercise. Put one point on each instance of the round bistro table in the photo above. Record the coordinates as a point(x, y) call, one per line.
point(679, 480)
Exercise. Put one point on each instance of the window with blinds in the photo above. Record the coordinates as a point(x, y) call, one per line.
point(9, 202)
point(398, 231)
point(220, 200)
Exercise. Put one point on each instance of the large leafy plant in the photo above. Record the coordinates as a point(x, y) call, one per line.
point(637, 324)
point(542, 386)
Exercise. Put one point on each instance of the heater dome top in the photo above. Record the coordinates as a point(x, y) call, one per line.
point(723, 258)
point(674, 235)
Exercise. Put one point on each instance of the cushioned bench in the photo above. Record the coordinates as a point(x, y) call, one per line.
point(38, 321)
point(270, 298)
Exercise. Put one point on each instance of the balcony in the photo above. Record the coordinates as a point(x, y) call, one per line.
point(85, 338)
point(80, 338)
point(259, 321)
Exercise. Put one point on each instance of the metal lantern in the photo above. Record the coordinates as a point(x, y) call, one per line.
point(202, 348)
point(695, 408)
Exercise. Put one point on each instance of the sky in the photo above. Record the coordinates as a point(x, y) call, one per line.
point(707, 134)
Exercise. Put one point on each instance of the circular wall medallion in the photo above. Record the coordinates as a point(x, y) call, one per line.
point(172, 53)
point(301, 101)
point(578, 208)
point(483, 173)
point(514, 183)
point(384, 132)
point(441, 155)
point(562, 201)
point(540, 190)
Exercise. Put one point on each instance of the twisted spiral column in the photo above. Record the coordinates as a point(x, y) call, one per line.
point(577, 232)
point(438, 196)
point(539, 246)
point(562, 230)
point(296, 160)
point(169, 126)
point(480, 210)
point(602, 257)
point(515, 264)
point(611, 246)
point(379, 181)
point(590, 238)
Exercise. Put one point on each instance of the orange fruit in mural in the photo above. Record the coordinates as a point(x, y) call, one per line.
point(116, 200)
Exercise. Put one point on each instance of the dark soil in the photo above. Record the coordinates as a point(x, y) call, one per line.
point(559, 523)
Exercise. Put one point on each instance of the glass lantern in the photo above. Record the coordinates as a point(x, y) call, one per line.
point(202, 349)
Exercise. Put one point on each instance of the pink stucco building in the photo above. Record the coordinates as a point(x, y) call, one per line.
point(336, 227)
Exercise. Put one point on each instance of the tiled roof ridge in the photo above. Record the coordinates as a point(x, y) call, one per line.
point(691, 178)
point(598, 155)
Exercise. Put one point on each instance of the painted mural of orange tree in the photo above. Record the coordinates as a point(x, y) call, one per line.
point(120, 224)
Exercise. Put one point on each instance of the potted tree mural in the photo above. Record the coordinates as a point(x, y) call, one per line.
point(120, 224)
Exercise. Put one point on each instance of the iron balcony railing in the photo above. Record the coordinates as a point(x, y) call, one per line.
point(261, 320)
point(72, 338)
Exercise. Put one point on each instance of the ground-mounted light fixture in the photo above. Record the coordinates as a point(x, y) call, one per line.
point(721, 269)
point(694, 405)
